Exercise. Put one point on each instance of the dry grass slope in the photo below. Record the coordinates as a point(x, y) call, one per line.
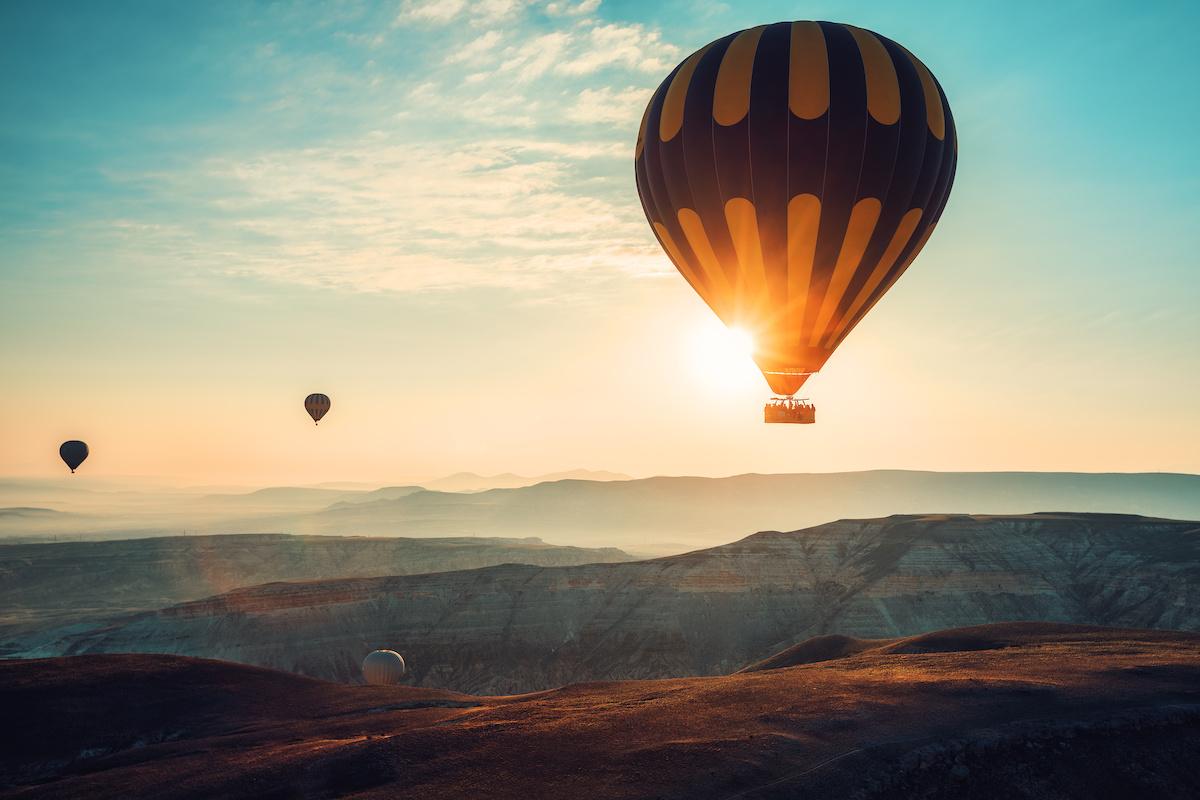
point(1039, 711)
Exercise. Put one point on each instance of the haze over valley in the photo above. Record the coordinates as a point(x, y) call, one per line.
point(649, 516)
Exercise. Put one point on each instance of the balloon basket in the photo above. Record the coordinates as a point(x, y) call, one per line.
point(789, 410)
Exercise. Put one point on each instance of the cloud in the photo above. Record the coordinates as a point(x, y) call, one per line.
point(579, 9)
point(505, 163)
point(372, 216)
point(436, 11)
point(536, 56)
point(630, 46)
point(474, 50)
point(609, 106)
point(441, 12)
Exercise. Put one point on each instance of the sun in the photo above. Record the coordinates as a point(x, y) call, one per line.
point(740, 342)
point(722, 358)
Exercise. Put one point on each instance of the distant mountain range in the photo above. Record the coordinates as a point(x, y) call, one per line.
point(27, 512)
point(471, 482)
point(650, 516)
point(517, 627)
point(663, 515)
point(301, 498)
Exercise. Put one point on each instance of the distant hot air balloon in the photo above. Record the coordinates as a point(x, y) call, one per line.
point(383, 667)
point(317, 406)
point(792, 172)
point(73, 453)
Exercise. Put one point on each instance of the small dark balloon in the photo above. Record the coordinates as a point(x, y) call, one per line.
point(73, 453)
point(317, 406)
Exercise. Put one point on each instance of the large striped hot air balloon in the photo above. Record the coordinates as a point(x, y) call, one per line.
point(792, 172)
point(317, 406)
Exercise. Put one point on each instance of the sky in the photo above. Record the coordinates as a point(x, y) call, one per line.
point(427, 210)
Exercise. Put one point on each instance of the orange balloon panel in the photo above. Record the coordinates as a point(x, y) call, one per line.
point(792, 172)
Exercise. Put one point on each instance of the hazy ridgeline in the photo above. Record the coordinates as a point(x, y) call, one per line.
point(646, 516)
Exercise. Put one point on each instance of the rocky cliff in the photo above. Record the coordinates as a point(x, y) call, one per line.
point(517, 628)
point(72, 581)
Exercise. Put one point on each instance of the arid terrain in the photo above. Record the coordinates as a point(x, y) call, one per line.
point(64, 583)
point(517, 628)
point(1018, 710)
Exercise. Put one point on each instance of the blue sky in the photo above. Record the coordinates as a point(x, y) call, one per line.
point(427, 210)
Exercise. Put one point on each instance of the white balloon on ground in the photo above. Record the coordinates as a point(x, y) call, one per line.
point(383, 668)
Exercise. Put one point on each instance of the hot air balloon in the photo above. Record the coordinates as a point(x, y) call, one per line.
point(792, 172)
point(317, 406)
point(73, 453)
point(383, 667)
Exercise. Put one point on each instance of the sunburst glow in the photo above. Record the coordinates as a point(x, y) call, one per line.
point(722, 358)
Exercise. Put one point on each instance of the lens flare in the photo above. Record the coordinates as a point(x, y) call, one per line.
point(722, 358)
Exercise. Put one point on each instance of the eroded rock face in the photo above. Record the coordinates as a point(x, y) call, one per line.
point(519, 628)
point(74, 581)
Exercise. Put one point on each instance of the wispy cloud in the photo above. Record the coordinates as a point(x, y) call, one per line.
point(609, 106)
point(475, 51)
point(380, 215)
point(631, 46)
point(534, 57)
point(504, 159)
point(443, 11)
point(572, 9)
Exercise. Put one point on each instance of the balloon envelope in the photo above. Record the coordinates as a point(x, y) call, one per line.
point(792, 172)
point(383, 667)
point(317, 406)
point(73, 453)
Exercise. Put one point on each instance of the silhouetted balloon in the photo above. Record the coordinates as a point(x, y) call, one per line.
point(383, 667)
point(792, 172)
point(317, 406)
point(73, 453)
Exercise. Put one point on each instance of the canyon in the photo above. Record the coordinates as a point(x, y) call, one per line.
point(520, 627)
point(44, 584)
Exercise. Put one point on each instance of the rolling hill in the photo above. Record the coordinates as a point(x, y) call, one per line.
point(996, 712)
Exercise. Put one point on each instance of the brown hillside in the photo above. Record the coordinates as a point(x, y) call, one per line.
point(1029, 711)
